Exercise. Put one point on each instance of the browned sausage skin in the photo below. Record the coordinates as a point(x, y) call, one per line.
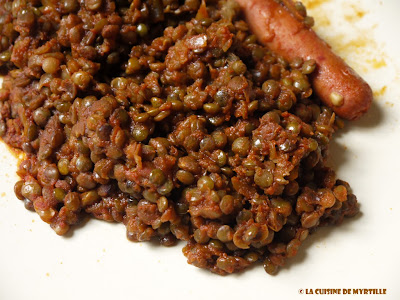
point(338, 85)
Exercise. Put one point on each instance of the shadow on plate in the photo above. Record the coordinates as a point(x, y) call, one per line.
point(338, 156)
point(83, 222)
point(86, 218)
point(371, 119)
point(319, 236)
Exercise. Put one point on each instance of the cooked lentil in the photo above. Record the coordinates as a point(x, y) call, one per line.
point(167, 116)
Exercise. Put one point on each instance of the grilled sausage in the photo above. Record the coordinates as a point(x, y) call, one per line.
point(337, 84)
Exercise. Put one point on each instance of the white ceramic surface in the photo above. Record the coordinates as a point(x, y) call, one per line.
point(98, 262)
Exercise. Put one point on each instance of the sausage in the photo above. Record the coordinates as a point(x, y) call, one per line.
point(335, 83)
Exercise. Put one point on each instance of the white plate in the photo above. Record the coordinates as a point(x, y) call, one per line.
point(98, 262)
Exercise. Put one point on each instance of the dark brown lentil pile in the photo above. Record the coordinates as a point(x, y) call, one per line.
point(169, 117)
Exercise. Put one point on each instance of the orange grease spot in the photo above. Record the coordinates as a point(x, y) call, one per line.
point(380, 92)
point(356, 14)
point(377, 63)
point(389, 104)
point(311, 4)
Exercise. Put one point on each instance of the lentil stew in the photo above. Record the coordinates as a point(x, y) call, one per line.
point(170, 117)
